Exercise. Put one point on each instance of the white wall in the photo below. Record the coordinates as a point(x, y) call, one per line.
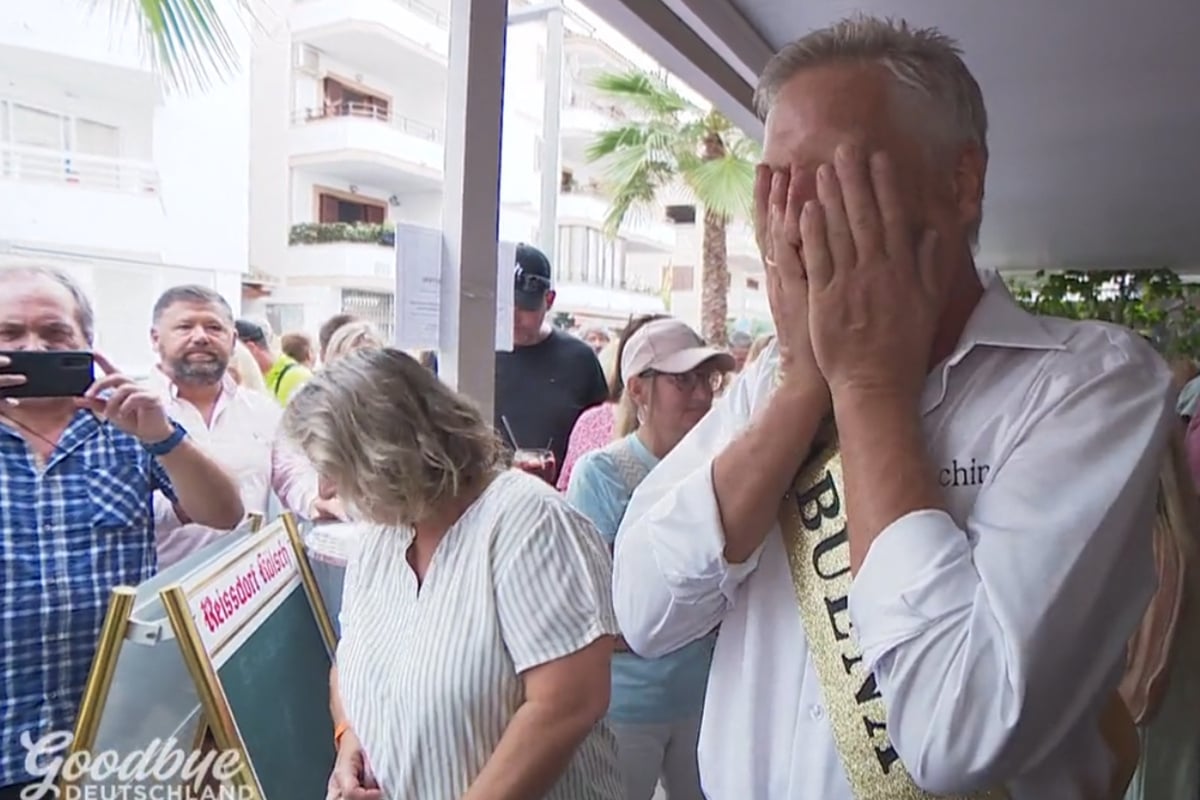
point(269, 202)
point(70, 28)
point(202, 148)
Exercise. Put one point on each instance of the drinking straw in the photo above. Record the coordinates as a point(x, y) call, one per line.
point(508, 429)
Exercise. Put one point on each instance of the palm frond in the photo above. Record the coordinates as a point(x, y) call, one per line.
point(642, 92)
point(724, 185)
point(188, 41)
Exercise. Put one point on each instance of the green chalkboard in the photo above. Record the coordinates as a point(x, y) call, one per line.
point(277, 685)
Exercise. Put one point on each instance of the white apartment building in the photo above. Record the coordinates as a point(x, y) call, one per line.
point(355, 91)
point(102, 174)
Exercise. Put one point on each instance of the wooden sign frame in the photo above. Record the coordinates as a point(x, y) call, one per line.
point(217, 714)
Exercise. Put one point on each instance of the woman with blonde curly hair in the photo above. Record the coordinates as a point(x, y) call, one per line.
point(476, 621)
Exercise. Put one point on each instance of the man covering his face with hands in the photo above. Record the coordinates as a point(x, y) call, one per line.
point(904, 518)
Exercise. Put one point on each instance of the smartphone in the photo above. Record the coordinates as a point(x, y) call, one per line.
point(50, 373)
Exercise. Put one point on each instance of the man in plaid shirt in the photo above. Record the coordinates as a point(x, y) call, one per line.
point(77, 477)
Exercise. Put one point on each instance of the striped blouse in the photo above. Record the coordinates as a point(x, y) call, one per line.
point(430, 680)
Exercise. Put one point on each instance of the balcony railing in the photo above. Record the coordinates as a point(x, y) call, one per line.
point(369, 111)
point(416, 6)
point(46, 165)
point(582, 100)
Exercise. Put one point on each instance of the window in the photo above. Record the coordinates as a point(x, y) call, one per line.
point(586, 255)
point(97, 139)
point(345, 101)
point(752, 284)
point(334, 208)
point(682, 215)
point(377, 308)
point(37, 128)
point(285, 317)
point(683, 279)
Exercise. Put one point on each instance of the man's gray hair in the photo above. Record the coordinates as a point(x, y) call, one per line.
point(923, 61)
point(85, 315)
point(192, 293)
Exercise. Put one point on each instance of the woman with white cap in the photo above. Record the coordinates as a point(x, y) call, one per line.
point(670, 377)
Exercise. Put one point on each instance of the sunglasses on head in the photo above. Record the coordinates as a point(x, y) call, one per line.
point(531, 283)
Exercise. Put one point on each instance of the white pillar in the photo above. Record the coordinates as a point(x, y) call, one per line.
point(552, 134)
point(471, 205)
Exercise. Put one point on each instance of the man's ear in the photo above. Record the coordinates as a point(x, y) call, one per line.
point(550, 295)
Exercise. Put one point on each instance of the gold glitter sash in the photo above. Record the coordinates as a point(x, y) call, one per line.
point(813, 519)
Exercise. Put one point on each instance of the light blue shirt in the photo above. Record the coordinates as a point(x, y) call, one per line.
point(644, 690)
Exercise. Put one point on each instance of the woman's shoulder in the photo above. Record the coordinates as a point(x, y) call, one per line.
point(523, 507)
point(517, 495)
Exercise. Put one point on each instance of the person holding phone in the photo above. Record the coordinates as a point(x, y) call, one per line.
point(78, 471)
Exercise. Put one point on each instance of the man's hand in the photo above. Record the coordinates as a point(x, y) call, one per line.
point(777, 216)
point(128, 406)
point(876, 293)
point(8, 380)
point(349, 780)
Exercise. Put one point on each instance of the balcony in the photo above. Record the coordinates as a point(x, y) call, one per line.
point(374, 33)
point(81, 202)
point(363, 143)
point(641, 232)
point(339, 254)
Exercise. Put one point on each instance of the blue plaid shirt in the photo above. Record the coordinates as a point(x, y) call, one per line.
point(69, 533)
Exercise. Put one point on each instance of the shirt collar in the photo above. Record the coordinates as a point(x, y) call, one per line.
point(997, 321)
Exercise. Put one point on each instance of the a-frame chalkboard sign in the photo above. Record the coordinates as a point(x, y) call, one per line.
point(138, 690)
point(258, 643)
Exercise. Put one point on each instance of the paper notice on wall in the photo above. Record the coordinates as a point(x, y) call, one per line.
point(418, 287)
point(506, 262)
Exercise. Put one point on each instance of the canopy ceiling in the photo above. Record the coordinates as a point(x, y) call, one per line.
point(1093, 104)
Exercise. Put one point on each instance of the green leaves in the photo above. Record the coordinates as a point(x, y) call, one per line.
point(1157, 304)
point(667, 140)
point(188, 42)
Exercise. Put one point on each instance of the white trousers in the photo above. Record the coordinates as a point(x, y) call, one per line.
point(649, 752)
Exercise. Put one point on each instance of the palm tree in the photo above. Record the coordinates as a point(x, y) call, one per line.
point(669, 140)
point(187, 40)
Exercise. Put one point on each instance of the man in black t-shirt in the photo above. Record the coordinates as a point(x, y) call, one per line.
point(550, 377)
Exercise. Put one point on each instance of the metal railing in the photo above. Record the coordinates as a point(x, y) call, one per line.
point(47, 165)
point(582, 100)
point(368, 111)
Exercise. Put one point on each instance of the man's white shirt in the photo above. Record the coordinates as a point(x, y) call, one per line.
point(243, 437)
point(996, 632)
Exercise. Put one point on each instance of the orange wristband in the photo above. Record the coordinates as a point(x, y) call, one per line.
point(339, 731)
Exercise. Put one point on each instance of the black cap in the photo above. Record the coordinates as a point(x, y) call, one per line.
point(532, 278)
point(251, 332)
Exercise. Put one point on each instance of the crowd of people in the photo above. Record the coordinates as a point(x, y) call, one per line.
point(916, 543)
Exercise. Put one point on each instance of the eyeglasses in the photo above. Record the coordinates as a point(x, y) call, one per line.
point(686, 382)
point(530, 283)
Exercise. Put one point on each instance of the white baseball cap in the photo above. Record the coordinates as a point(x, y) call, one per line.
point(671, 347)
